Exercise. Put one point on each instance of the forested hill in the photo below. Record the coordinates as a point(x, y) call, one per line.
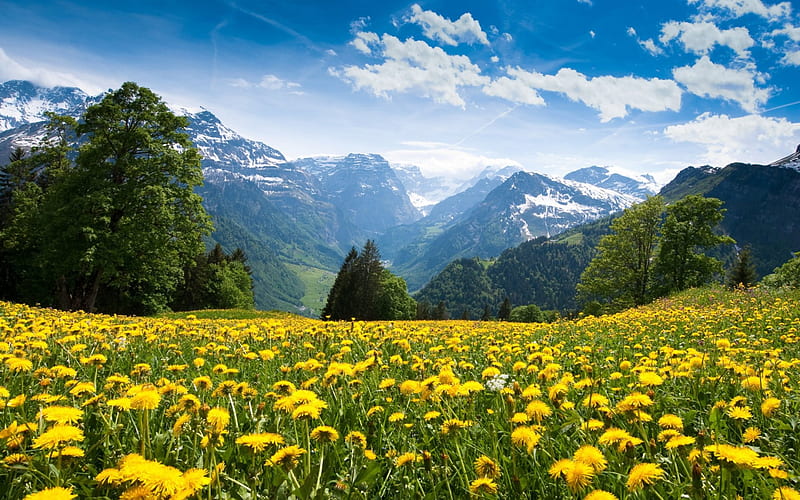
point(762, 211)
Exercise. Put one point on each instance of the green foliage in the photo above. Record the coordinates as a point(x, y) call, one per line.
point(621, 272)
point(648, 255)
point(527, 314)
point(364, 290)
point(113, 229)
point(787, 275)
point(686, 232)
point(462, 285)
point(216, 280)
point(743, 271)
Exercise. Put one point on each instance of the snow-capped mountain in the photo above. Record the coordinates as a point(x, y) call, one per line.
point(365, 188)
point(22, 102)
point(424, 192)
point(525, 206)
point(638, 186)
point(792, 161)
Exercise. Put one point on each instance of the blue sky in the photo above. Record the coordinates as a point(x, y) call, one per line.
point(551, 86)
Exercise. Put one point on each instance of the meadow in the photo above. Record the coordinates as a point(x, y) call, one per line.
point(695, 396)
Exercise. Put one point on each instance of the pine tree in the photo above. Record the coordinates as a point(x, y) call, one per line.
point(505, 310)
point(338, 305)
point(743, 272)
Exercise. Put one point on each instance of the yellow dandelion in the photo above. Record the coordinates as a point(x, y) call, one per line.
point(147, 399)
point(483, 485)
point(670, 421)
point(259, 442)
point(57, 436)
point(287, 457)
point(486, 467)
point(600, 495)
point(739, 412)
point(306, 411)
point(769, 406)
point(356, 438)
point(751, 434)
point(407, 458)
point(56, 493)
point(650, 379)
point(218, 419)
point(324, 434)
point(643, 474)
point(786, 493)
point(591, 456)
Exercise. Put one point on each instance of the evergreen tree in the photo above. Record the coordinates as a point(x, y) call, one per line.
point(364, 290)
point(423, 310)
point(441, 313)
point(487, 314)
point(340, 296)
point(743, 272)
point(465, 314)
point(505, 310)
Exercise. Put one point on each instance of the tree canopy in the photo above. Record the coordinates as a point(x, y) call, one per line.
point(365, 290)
point(655, 250)
point(112, 224)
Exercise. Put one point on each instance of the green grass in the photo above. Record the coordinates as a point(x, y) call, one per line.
point(317, 284)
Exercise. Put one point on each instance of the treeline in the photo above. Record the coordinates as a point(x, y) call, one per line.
point(102, 215)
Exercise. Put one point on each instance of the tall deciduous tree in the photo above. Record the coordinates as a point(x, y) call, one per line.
point(687, 231)
point(124, 218)
point(621, 272)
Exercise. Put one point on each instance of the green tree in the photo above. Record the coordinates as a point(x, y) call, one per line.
point(124, 218)
point(505, 310)
point(440, 312)
point(620, 274)
point(215, 280)
point(687, 231)
point(743, 271)
point(423, 310)
point(394, 302)
point(527, 314)
point(787, 275)
point(364, 290)
point(340, 297)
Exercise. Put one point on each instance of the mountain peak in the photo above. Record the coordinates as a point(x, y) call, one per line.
point(791, 161)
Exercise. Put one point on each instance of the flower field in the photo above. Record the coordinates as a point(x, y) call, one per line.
point(694, 397)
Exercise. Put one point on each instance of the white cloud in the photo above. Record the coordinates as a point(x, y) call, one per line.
point(465, 29)
point(11, 69)
point(708, 79)
point(592, 33)
point(701, 37)
point(435, 159)
point(495, 59)
point(415, 65)
point(363, 41)
point(741, 7)
point(790, 31)
point(269, 82)
point(514, 90)
point(792, 58)
point(587, 2)
point(751, 138)
point(649, 45)
point(331, 52)
point(612, 96)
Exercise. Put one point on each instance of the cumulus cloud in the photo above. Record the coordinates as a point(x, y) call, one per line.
point(465, 29)
point(363, 41)
point(415, 65)
point(649, 45)
point(708, 79)
point(751, 138)
point(739, 8)
point(701, 37)
point(612, 96)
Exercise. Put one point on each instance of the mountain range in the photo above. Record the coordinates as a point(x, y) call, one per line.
point(296, 219)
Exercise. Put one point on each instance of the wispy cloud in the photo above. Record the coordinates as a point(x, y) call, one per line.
point(11, 69)
point(268, 82)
